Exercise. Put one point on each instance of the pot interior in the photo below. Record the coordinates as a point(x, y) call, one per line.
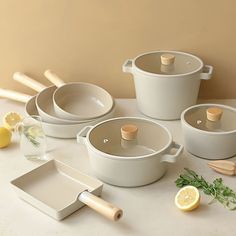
point(151, 138)
point(197, 118)
point(184, 63)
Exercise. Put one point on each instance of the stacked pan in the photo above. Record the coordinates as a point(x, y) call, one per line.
point(64, 108)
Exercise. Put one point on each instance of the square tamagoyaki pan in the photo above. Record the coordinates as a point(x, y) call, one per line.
point(59, 190)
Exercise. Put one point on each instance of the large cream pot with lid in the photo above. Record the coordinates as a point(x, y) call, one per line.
point(129, 151)
point(166, 82)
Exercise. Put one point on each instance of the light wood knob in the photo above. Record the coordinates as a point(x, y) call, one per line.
point(214, 113)
point(167, 59)
point(129, 132)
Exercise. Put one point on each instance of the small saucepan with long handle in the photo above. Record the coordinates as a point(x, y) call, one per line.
point(79, 100)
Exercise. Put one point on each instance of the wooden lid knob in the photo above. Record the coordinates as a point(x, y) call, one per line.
point(129, 132)
point(167, 59)
point(214, 113)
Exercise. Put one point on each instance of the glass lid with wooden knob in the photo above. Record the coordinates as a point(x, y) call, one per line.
point(168, 63)
point(211, 117)
point(129, 137)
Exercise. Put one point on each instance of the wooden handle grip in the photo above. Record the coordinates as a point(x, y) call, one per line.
point(105, 208)
point(13, 95)
point(29, 82)
point(51, 76)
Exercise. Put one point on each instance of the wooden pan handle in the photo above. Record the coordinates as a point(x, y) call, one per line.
point(51, 76)
point(105, 208)
point(13, 95)
point(29, 82)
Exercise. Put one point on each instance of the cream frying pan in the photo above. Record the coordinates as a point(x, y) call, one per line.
point(52, 130)
point(78, 100)
point(44, 100)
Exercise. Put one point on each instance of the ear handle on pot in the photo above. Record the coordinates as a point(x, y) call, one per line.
point(13, 95)
point(27, 81)
point(54, 78)
point(105, 208)
point(172, 157)
point(81, 136)
point(207, 72)
point(128, 66)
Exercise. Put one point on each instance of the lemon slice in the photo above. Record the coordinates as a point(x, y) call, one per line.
point(35, 131)
point(5, 137)
point(11, 119)
point(187, 198)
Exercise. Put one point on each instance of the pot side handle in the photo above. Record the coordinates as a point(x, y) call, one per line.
point(81, 136)
point(172, 157)
point(207, 72)
point(128, 66)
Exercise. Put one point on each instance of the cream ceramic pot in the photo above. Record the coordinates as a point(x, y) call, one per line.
point(210, 130)
point(166, 82)
point(129, 157)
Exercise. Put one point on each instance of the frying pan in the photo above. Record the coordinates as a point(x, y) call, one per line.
point(78, 100)
point(52, 130)
point(44, 99)
point(58, 190)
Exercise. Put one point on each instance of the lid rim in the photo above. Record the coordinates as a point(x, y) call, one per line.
point(183, 121)
point(128, 158)
point(164, 75)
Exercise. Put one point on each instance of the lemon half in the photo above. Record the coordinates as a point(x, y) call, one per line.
point(187, 198)
point(5, 137)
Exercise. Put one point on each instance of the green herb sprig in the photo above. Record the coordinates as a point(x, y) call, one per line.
point(217, 189)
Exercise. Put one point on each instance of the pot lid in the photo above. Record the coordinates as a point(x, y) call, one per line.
point(129, 137)
point(211, 117)
point(168, 63)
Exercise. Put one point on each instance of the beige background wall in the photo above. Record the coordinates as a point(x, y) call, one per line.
point(88, 40)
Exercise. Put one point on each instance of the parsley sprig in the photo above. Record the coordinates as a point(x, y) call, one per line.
point(219, 192)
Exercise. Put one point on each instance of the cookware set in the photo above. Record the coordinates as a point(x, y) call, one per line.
point(124, 151)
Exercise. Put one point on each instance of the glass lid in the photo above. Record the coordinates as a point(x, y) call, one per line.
point(212, 117)
point(168, 63)
point(129, 137)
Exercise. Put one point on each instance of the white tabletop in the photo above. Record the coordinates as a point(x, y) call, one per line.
point(148, 210)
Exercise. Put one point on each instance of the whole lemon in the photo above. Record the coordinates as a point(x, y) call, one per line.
point(5, 137)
